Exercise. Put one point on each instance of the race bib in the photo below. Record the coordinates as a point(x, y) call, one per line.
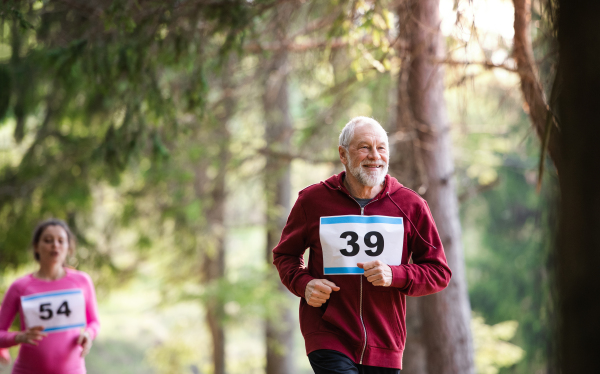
point(348, 240)
point(55, 311)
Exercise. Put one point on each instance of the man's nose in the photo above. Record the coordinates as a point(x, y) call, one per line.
point(374, 154)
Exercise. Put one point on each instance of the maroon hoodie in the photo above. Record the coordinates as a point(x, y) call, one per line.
point(362, 321)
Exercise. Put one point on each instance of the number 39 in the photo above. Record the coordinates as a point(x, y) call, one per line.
point(62, 309)
point(378, 243)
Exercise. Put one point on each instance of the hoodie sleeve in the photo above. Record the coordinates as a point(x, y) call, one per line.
point(288, 255)
point(429, 273)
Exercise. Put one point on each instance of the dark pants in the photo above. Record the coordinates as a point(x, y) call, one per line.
point(326, 361)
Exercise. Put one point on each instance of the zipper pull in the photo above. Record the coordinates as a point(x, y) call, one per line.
point(362, 210)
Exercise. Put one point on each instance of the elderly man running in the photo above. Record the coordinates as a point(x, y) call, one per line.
point(362, 227)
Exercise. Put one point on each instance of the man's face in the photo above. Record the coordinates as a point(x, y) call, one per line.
point(367, 156)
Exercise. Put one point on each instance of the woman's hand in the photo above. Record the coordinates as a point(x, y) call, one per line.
point(4, 357)
point(31, 336)
point(86, 342)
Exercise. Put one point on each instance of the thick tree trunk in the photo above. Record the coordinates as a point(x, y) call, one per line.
point(579, 243)
point(445, 317)
point(415, 352)
point(406, 165)
point(279, 329)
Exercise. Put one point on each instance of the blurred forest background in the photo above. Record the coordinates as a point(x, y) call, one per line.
point(173, 136)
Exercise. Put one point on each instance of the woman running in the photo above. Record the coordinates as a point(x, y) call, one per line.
point(56, 306)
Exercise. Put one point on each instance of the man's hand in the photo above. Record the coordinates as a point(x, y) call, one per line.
point(86, 342)
point(31, 336)
point(378, 273)
point(318, 290)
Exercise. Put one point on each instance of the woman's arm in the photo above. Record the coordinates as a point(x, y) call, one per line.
point(91, 309)
point(91, 314)
point(10, 308)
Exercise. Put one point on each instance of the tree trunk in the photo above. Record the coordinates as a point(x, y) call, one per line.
point(531, 87)
point(445, 316)
point(214, 258)
point(578, 243)
point(214, 251)
point(406, 166)
point(415, 351)
point(280, 326)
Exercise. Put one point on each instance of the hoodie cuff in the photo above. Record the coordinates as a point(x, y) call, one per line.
point(399, 276)
point(300, 285)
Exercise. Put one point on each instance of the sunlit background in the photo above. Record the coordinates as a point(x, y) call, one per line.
point(143, 228)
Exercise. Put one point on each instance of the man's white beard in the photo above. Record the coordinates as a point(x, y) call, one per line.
point(369, 179)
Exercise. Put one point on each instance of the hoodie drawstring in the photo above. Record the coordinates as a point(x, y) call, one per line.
point(413, 225)
point(397, 206)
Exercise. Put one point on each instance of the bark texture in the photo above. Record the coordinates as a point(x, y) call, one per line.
point(533, 94)
point(214, 269)
point(579, 244)
point(213, 264)
point(406, 165)
point(444, 317)
point(415, 352)
point(279, 331)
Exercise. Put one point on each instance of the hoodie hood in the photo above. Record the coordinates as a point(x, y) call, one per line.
point(336, 182)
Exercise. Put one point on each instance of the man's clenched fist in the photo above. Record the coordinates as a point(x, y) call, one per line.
point(378, 273)
point(318, 290)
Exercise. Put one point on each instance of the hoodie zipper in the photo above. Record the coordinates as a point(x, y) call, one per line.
point(362, 213)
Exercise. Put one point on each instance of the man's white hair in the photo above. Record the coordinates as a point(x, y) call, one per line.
point(348, 130)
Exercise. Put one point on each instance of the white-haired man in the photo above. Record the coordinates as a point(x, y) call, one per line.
point(362, 227)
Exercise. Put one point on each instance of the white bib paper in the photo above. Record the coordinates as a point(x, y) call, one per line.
point(55, 310)
point(348, 240)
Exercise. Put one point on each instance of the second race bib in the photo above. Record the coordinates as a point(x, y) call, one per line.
point(348, 240)
point(55, 310)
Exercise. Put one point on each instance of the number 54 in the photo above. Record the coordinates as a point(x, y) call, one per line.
point(378, 243)
point(62, 309)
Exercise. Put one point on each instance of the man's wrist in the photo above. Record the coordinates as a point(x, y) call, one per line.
point(301, 285)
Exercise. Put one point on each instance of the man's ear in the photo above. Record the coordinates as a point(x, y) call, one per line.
point(343, 155)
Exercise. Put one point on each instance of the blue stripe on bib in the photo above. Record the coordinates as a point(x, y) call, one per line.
point(47, 294)
point(361, 219)
point(64, 327)
point(349, 270)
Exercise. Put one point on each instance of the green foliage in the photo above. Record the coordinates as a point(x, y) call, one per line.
point(90, 91)
point(492, 350)
point(5, 83)
point(171, 357)
point(507, 226)
point(126, 117)
point(509, 276)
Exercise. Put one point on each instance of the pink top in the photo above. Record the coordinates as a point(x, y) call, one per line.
point(57, 353)
point(4, 354)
